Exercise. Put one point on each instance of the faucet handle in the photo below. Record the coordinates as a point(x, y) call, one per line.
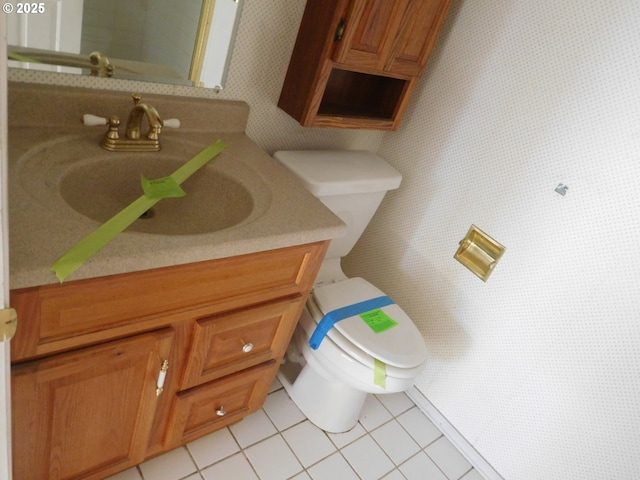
point(114, 128)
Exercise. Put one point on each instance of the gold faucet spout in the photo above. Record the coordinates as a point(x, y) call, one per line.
point(134, 141)
point(134, 124)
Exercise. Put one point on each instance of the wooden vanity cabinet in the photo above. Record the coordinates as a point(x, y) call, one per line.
point(356, 63)
point(88, 355)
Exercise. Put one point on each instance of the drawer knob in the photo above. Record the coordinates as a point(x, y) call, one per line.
point(221, 412)
point(247, 347)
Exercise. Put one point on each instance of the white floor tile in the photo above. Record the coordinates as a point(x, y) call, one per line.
point(334, 467)
point(472, 475)
point(252, 429)
point(282, 411)
point(396, 403)
point(308, 442)
point(169, 466)
point(278, 440)
point(394, 475)
point(236, 467)
point(367, 459)
point(276, 385)
point(448, 458)
point(420, 467)
point(213, 448)
point(272, 459)
point(419, 427)
point(342, 439)
point(302, 476)
point(131, 474)
point(395, 441)
point(373, 414)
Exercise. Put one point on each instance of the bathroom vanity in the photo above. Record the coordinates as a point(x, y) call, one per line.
point(162, 337)
point(89, 355)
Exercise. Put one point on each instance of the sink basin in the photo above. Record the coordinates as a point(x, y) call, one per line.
point(223, 194)
point(99, 190)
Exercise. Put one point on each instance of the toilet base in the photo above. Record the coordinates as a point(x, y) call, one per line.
point(330, 405)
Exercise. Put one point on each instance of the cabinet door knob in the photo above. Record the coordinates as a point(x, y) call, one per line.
point(221, 412)
point(247, 347)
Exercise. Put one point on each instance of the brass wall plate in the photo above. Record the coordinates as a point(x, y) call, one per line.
point(479, 252)
point(8, 324)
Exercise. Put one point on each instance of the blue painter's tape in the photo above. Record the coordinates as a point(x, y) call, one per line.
point(334, 316)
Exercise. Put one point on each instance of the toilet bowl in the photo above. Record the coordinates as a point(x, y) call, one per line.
point(373, 347)
point(352, 361)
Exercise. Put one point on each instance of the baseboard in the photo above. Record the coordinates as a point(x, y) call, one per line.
point(483, 467)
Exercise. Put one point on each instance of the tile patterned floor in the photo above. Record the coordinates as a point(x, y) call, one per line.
point(392, 441)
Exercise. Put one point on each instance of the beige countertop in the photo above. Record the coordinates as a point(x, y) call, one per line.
point(43, 227)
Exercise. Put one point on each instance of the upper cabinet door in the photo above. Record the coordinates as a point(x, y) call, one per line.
point(369, 33)
point(394, 36)
point(416, 36)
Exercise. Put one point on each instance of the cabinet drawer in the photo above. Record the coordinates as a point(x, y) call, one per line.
point(225, 344)
point(206, 408)
point(60, 317)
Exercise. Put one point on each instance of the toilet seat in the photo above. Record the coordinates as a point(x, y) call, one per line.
point(401, 347)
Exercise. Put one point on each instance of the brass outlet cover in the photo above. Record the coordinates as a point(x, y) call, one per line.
point(479, 252)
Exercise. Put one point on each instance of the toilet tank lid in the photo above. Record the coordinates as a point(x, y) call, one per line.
point(339, 172)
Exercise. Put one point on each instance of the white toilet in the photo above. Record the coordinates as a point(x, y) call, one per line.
point(330, 383)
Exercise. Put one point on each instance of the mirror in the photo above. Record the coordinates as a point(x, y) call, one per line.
point(187, 42)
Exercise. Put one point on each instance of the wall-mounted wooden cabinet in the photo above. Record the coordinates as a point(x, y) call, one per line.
point(89, 357)
point(356, 62)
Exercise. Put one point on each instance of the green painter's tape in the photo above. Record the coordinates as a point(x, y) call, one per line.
point(378, 321)
point(83, 250)
point(380, 373)
point(165, 187)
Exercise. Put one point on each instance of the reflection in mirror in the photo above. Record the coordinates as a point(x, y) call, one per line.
point(186, 42)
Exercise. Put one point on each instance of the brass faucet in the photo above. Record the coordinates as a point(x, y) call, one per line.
point(133, 142)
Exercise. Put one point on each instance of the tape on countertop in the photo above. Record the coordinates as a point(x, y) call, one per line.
point(155, 190)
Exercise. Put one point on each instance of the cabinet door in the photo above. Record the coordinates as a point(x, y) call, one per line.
point(88, 413)
point(416, 36)
point(370, 28)
point(394, 36)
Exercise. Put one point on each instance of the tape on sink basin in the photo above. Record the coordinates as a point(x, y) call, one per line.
point(87, 247)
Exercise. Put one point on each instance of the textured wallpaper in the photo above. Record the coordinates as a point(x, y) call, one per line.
point(538, 367)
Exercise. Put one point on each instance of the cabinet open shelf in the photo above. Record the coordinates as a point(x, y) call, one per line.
point(355, 94)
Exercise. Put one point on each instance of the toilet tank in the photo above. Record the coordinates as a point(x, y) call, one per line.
point(351, 183)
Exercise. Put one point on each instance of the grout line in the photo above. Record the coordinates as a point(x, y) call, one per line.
point(244, 454)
